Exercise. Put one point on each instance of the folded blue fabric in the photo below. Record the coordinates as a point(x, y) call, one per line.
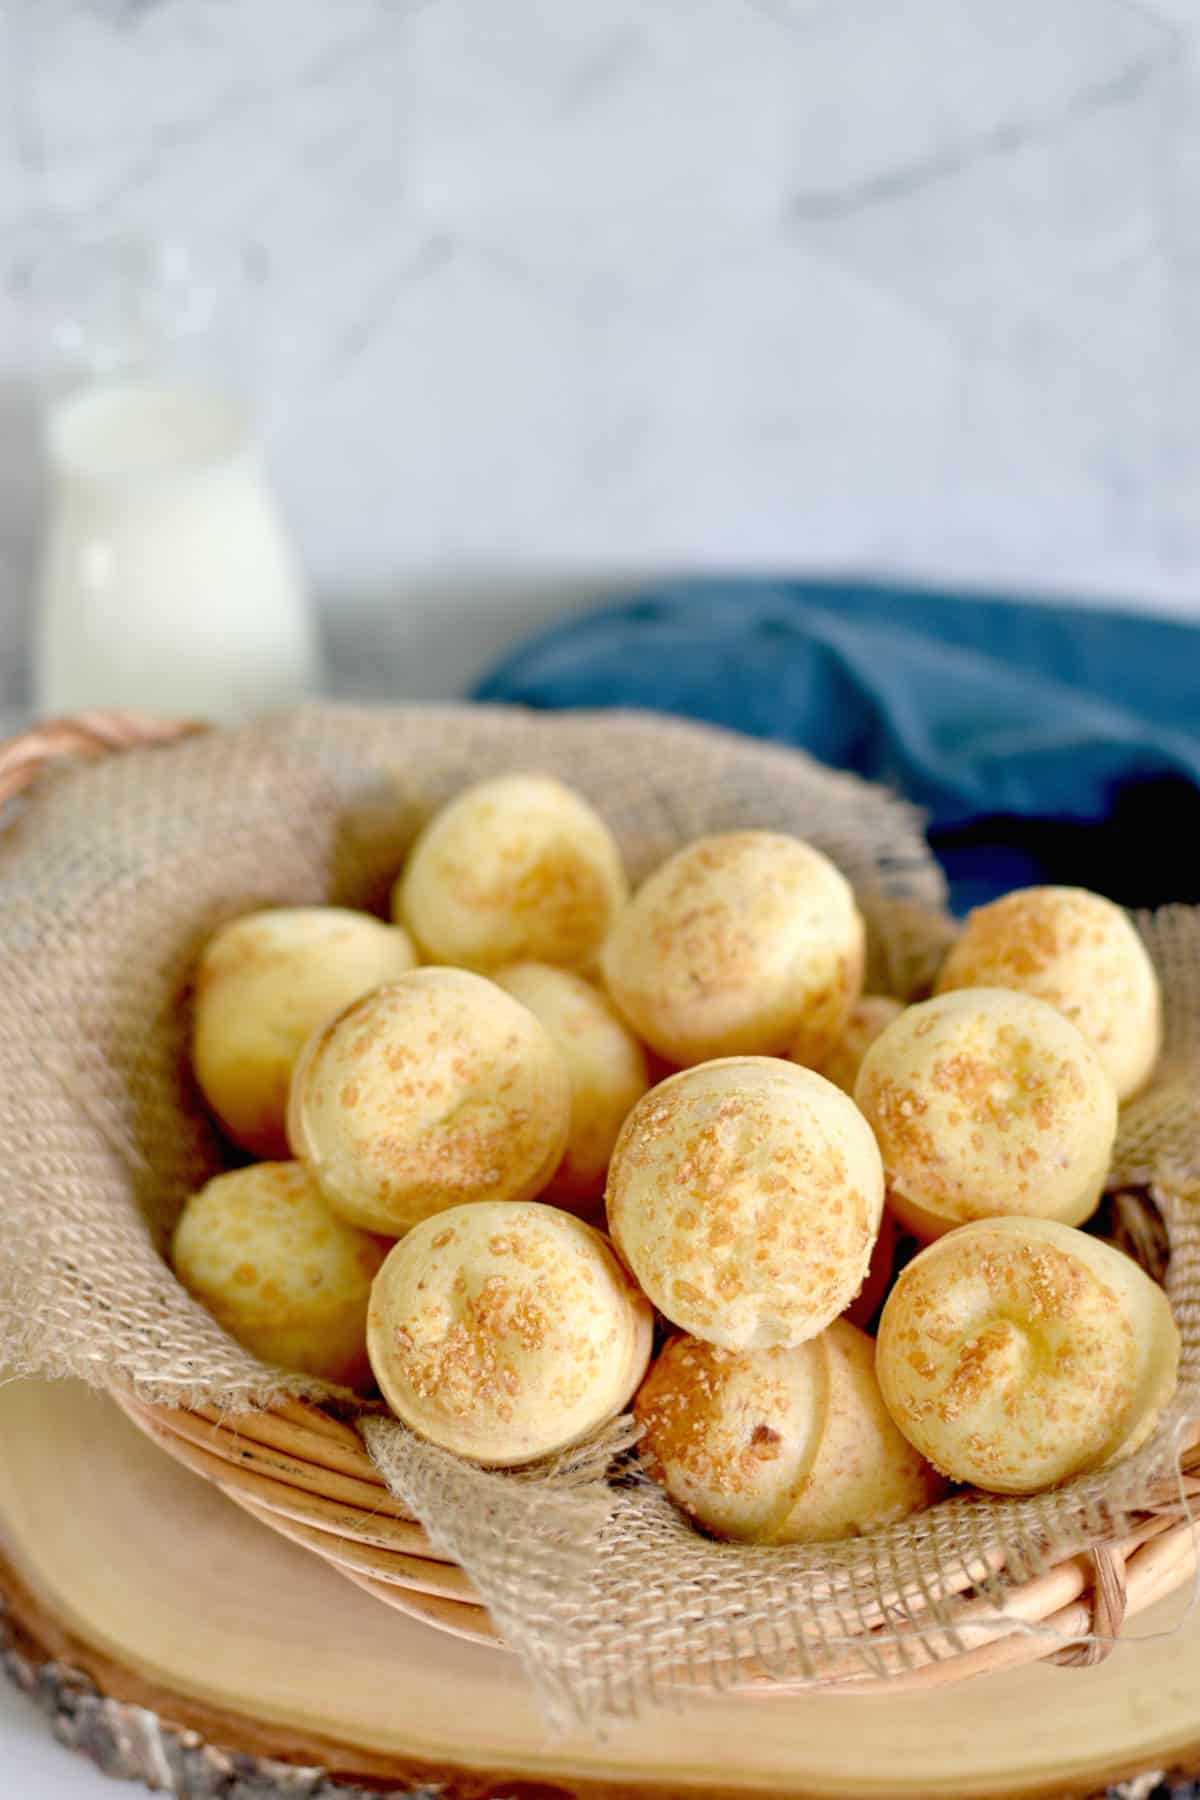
point(1046, 743)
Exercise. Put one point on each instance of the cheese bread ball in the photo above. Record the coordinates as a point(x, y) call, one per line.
point(435, 1090)
point(504, 1331)
point(985, 1102)
point(262, 1251)
point(605, 1063)
point(867, 1301)
point(747, 943)
point(1016, 1352)
point(746, 1196)
point(263, 984)
point(1079, 953)
point(516, 868)
point(779, 1446)
point(869, 1017)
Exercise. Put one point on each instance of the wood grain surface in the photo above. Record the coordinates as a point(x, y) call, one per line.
point(200, 1623)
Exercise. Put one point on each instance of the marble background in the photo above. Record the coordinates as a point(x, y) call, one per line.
point(558, 296)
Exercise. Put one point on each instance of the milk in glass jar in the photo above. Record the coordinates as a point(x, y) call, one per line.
point(167, 583)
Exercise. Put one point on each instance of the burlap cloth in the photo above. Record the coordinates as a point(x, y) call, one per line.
point(112, 878)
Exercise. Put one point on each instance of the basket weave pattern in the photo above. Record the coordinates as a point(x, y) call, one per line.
point(609, 1597)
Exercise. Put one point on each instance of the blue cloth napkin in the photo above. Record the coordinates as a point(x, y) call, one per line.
point(1046, 743)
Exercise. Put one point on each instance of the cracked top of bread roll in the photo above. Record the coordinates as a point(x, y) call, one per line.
point(1017, 1352)
point(985, 1102)
point(434, 1090)
point(506, 1331)
point(779, 1446)
point(518, 867)
point(746, 1195)
point(1081, 954)
point(744, 943)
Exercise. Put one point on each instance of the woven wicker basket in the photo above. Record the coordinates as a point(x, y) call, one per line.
point(304, 1471)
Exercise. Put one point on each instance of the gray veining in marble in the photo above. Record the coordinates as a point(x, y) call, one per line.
point(555, 297)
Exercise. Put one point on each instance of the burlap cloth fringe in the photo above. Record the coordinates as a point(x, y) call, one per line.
point(111, 880)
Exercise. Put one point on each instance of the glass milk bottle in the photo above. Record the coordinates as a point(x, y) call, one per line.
point(167, 584)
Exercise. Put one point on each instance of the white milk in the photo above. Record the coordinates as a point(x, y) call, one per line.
point(167, 584)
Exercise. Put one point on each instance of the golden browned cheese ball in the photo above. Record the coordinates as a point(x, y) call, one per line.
point(605, 1063)
point(1081, 954)
point(1017, 1352)
point(262, 1251)
point(780, 1446)
point(746, 1196)
point(263, 984)
point(505, 1331)
point(869, 1018)
point(435, 1090)
point(985, 1102)
point(516, 868)
point(748, 942)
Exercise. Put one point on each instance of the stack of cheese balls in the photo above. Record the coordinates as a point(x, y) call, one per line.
point(474, 1196)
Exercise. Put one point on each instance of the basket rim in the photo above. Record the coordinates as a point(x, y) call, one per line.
point(306, 1473)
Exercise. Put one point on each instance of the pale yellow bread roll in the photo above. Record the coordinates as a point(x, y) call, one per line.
point(437, 1089)
point(605, 1064)
point(505, 1331)
point(987, 1102)
point(263, 984)
point(748, 942)
point(779, 1446)
point(262, 1251)
point(516, 868)
point(870, 1015)
point(1081, 954)
point(746, 1195)
point(1017, 1352)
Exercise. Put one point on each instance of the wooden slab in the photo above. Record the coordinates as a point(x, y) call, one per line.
point(169, 1596)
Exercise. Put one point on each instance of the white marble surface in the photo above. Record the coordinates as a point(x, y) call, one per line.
point(558, 297)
